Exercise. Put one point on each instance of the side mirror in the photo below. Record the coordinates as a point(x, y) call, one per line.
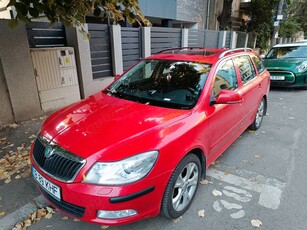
point(227, 97)
point(117, 77)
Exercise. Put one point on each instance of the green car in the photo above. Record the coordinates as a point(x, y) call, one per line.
point(287, 64)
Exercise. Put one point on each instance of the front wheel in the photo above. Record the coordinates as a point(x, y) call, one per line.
point(181, 187)
point(259, 115)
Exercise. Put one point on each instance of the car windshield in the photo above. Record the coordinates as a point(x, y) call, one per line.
point(288, 52)
point(165, 83)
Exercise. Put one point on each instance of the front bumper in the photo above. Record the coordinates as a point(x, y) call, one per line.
point(283, 78)
point(83, 201)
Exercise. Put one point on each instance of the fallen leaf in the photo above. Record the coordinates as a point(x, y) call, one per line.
point(2, 214)
point(3, 139)
point(27, 222)
point(32, 136)
point(8, 180)
point(204, 182)
point(216, 193)
point(104, 227)
point(41, 213)
point(201, 213)
point(251, 131)
point(17, 177)
point(177, 219)
point(50, 210)
point(64, 218)
point(14, 126)
point(33, 216)
point(17, 227)
point(256, 223)
point(48, 216)
point(226, 173)
point(257, 156)
point(20, 148)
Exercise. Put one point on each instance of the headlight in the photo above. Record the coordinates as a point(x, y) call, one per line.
point(302, 67)
point(122, 172)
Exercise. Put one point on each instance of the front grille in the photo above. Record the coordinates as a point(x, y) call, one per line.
point(289, 77)
point(70, 209)
point(60, 165)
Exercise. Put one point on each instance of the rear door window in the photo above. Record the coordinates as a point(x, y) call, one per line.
point(259, 64)
point(246, 68)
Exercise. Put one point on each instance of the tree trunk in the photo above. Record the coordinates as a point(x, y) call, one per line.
point(225, 17)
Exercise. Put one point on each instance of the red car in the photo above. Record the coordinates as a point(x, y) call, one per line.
point(141, 146)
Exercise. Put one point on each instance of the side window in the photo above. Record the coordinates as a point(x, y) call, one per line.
point(225, 78)
point(246, 68)
point(258, 63)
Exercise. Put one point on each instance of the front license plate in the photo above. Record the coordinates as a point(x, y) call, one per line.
point(47, 185)
point(278, 78)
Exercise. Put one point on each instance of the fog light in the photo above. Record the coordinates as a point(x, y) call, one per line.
point(116, 214)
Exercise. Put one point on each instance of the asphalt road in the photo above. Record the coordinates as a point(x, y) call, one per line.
point(262, 176)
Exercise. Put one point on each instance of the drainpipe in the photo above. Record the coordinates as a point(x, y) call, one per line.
point(208, 13)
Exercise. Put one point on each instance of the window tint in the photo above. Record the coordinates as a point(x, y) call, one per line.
point(165, 83)
point(258, 63)
point(288, 52)
point(225, 78)
point(246, 68)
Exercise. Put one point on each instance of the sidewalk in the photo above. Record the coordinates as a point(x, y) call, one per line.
point(17, 188)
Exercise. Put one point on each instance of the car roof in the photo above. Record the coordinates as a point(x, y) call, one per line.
point(291, 44)
point(197, 54)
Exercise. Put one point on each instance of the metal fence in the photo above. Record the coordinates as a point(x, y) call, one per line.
point(100, 48)
point(42, 34)
point(131, 46)
point(164, 38)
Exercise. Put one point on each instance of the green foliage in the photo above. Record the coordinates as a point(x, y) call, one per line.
point(73, 12)
point(261, 23)
point(289, 27)
point(297, 9)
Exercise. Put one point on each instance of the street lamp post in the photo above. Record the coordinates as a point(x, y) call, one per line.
point(279, 17)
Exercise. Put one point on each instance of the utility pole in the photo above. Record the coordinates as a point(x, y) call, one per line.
point(279, 17)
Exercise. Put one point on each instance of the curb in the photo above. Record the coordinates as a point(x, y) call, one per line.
point(8, 222)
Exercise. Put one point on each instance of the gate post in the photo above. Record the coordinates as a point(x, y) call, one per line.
point(146, 42)
point(116, 49)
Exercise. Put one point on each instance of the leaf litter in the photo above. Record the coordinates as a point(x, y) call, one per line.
point(35, 217)
point(15, 164)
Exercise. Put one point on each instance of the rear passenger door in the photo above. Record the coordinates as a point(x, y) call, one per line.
point(251, 87)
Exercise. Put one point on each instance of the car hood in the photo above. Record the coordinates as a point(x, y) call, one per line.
point(289, 64)
point(101, 121)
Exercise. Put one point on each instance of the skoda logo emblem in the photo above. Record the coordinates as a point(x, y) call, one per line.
point(48, 152)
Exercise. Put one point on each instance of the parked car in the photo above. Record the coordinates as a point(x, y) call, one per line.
point(287, 64)
point(141, 146)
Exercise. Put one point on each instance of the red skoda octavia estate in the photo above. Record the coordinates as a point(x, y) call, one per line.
point(141, 146)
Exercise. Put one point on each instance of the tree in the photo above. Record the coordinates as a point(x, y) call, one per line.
point(296, 14)
point(289, 27)
point(225, 17)
point(262, 21)
point(73, 12)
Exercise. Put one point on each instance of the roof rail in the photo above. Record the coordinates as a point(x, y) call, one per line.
point(234, 50)
point(179, 49)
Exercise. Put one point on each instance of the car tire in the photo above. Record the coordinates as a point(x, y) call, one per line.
point(261, 111)
point(181, 187)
